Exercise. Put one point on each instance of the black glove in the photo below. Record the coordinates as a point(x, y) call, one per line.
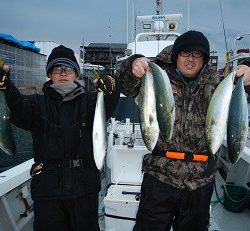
point(4, 76)
point(106, 84)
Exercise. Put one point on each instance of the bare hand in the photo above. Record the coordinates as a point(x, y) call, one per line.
point(243, 70)
point(140, 66)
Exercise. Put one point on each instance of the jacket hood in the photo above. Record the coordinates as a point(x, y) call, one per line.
point(164, 60)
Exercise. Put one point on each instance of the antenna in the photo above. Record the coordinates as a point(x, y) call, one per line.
point(110, 53)
point(158, 7)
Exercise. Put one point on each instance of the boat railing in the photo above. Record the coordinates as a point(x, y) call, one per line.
point(240, 47)
point(155, 36)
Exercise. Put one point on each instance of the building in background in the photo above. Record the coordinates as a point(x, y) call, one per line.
point(27, 71)
point(104, 54)
point(27, 65)
point(214, 62)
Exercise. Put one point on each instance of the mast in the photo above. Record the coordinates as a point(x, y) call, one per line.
point(158, 7)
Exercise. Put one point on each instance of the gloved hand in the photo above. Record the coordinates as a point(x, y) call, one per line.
point(4, 74)
point(106, 84)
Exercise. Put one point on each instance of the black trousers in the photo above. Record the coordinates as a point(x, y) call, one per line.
point(78, 214)
point(162, 206)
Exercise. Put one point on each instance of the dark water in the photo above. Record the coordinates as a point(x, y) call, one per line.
point(23, 141)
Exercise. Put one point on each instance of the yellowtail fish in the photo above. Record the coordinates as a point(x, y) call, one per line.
point(165, 105)
point(147, 111)
point(7, 143)
point(217, 114)
point(99, 134)
point(237, 127)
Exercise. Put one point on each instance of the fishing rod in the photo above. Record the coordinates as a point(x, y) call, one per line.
point(227, 68)
point(224, 31)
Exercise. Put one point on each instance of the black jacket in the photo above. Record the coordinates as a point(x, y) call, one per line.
point(61, 131)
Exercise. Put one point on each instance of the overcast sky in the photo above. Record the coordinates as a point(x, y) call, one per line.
point(69, 22)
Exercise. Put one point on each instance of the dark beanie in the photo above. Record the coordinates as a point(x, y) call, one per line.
point(62, 55)
point(191, 41)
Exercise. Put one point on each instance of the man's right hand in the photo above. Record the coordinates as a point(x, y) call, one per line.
point(140, 66)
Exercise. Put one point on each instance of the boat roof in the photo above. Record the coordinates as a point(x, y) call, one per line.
point(108, 45)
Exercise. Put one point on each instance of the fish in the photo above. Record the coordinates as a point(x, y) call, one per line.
point(237, 127)
point(7, 142)
point(165, 104)
point(147, 111)
point(217, 113)
point(99, 133)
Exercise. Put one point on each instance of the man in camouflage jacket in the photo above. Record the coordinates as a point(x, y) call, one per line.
point(177, 192)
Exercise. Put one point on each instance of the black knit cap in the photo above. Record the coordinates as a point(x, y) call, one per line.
point(62, 55)
point(191, 41)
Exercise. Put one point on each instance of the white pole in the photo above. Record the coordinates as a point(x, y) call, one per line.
point(132, 35)
point(188, 16)
point(127, 21)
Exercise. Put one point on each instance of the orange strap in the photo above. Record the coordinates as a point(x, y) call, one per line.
point(175, 155)
point(181, 156)
point(200, 157)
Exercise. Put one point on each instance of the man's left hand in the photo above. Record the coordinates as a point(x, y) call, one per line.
point(106, 84)
point(4, 76)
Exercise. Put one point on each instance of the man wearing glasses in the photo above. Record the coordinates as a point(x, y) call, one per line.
point(176, 192)
point(65, 180)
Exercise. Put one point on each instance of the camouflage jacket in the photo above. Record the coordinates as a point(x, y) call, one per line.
point(191, 103)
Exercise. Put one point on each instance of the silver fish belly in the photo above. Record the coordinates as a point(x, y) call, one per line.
point(7, 143)
point(237, 127)
point(147, 111)
point(165, 105)
point(99, 134)
point(217, 114)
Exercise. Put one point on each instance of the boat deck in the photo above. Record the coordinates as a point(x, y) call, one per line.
point(226, 220)
point(229, 221)
point(220, 218)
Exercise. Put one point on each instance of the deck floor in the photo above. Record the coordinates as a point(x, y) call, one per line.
point(226, 220)
point(220, 220)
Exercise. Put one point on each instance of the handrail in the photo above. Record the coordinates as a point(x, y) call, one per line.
point(154, 34)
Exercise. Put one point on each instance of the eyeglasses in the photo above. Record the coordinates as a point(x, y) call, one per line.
point(195, 54)
point(59, 70)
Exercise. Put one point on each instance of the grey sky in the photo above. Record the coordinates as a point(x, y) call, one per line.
point(69, 21)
